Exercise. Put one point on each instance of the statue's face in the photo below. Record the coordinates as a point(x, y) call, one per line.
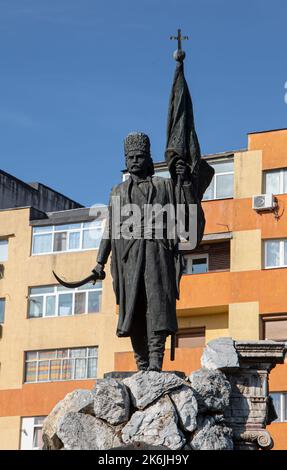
point(137, 163)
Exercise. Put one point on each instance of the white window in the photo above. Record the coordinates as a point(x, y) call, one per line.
point(31, 433)
point(53, 301)
point(3, 250)
point(70, 237)
point(2, 310)
point(280, 405)
point(276, 181)
point(195, 264)
point(275, 253)
point(221, 185)
point(61, 364)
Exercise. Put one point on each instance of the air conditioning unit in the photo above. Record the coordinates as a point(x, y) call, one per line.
point(263, 202)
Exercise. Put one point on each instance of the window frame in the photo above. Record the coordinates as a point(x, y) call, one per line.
point(6, 251)
point(281, 172)
point(3, 299)
point(283, 407)
point(221, 173)
point(281, 252)
point(82, 229)
point(191, 257)
point(69, 357)
point(98, 288)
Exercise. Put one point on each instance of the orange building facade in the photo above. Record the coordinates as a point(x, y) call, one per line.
point(233, 285)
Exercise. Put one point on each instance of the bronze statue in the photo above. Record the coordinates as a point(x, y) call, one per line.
point(146, 271)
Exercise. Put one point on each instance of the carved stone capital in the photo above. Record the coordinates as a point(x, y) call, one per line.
point(261, 437)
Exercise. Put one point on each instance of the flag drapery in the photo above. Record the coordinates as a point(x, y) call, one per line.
point(182, 141)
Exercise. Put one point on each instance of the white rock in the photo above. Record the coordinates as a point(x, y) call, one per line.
point(186, 407)
point(146, 387)
point(220, 354)
point(156, 425)
point(112, 402)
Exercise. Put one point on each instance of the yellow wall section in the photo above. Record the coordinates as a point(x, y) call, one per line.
point(245, 250)
point(10, 433)
point(215, 325)
point(247, 174)
point(244, 321)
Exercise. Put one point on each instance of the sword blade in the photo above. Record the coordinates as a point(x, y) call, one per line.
point(73, 285)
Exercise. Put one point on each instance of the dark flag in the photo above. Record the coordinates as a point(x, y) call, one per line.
point(182, 141)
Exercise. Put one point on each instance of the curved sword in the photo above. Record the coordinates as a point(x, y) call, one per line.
point(72, 285)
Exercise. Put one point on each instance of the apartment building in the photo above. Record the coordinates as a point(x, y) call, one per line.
point(55, 340)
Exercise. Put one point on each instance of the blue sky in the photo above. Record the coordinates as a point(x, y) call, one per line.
point(78, 75)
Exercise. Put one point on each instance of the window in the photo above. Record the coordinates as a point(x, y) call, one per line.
point(2, 310)
point(221, 185)
point(195, 264)
point(70, 237)
point(3, 250)
point(61, 364)
point(275, 253)
point(58, 301)
point(31, 433)
point(275, 327)
point(280, 405)
point(190, 338)
point(275, 181)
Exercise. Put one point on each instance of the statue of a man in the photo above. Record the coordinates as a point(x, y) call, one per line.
point(146, 271)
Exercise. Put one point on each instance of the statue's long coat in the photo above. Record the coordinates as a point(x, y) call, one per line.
point(153, 262)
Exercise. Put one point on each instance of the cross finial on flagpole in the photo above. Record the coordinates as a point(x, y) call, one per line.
point(179, 54)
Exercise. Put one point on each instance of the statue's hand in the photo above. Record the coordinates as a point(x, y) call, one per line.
point(182, 170)
point(99, 271)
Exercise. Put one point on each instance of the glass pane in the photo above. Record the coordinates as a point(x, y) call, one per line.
point(285, 181)
point(92, 368)
point(94, 301)
point(62, 288)
point(272, 253)
point(285, 406)
point(272, 182)
point(277, 404)
point(66, 227)
point(74, 240)
point(92, 238)
point(43, 371)
point(55, 367)
point(2, 310)
point(62, 352)
point(37, 438)
point(39, 419)
point(91, 286)
point(93, 223)
point(3, 250)
point(81, 352)
point(50, 305)
point(93, 352)
point(65, 305)
point(31, 368)
point(67, 371)
point(36, 307)
point(186, 264)
point(60, 241)
point(224, 186)
point(80, 369)
point(80, 302)
point(285, 252)
point(199, 266)
point(42, 243)
point(47, 354)
point(223, 167)
point(31, 355)
point(45, 228)
point(209, 193)
point(42, 290)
